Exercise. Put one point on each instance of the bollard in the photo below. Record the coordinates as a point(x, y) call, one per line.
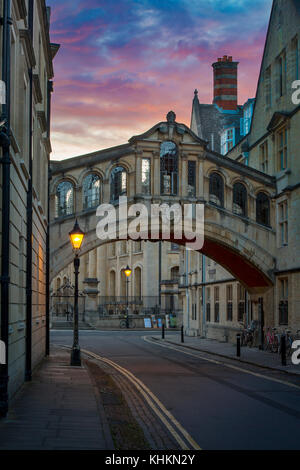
point(283, 350)
point(163, 331)
point(238, 345)
point(182, 336)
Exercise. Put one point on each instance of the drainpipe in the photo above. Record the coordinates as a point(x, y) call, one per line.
point(5, 162)
point(203, 296)
point(187, 288)
point(159, 274)
point(28, 341)
point(49, 91)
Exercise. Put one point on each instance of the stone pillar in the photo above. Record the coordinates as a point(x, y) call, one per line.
point(138, 171)
point(91, 291)
point(92, 265)
point(183, 179)
point(156, 173)
point(106, 190)
point(78, 199)
point(200, 189)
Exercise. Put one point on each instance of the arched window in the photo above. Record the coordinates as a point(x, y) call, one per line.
point(138, 282)
point(64, 199)
point(118, 183)
point(168, 168)
point(240, 199)
point(91, 191)
point(175, 273)
point(216, 189)
point(112, 283)
point(262, 209)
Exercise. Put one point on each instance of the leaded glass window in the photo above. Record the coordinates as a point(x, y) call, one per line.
point(64, 199)
point(263, 209)
point(191, 179)
point(146, 176)
point(240, 199)
point(169, 168)
point(91, 191)
point(118, 183)
point(216, 189)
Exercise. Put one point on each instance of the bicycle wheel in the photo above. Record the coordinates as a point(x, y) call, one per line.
point(123, 324)
point(132, 324)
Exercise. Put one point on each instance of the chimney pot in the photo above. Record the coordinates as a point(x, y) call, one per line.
point(225, 83)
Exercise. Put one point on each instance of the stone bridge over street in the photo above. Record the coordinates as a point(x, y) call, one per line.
point(170, 164)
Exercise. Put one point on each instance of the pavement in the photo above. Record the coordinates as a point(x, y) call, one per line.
point(58, 410)
point(62, 409)
point(252, 356)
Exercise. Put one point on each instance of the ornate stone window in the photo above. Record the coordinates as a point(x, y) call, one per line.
point(229, 302)
point(146, 175)
point(64, 199)
point(262, 209)
point(241, 293)
point(240, 199)
point(191, 178)
point(168, 168)
point(217, 305)
point(91, 191)
point(283, 301)
point(118, 183)
point(208, 304)
point(216, 189)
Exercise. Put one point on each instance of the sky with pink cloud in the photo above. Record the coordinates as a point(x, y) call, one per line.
point(123, 64)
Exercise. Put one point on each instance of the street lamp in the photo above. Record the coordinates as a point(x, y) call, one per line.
point(127, 274)
point(76, 238)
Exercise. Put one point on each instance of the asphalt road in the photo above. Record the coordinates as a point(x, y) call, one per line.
point(220, 407)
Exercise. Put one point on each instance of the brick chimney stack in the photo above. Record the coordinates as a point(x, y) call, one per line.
point(225, 83)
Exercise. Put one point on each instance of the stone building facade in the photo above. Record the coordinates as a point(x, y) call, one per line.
point(27, 71)
point(270, 146)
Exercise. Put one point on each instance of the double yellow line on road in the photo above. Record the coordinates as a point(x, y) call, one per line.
point(182, 350)
point(182, 437)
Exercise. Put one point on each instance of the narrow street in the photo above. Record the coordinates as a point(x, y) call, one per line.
point(219, 405)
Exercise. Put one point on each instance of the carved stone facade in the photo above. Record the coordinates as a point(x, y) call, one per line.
point(31, 72)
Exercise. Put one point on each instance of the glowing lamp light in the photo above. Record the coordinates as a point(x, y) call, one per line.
point(128, 271)
point(76, 236)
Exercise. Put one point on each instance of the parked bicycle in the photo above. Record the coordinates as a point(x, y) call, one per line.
point(131, 323)
point(272, 340)
point(248, 334)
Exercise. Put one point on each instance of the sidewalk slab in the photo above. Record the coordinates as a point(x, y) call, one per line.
point(58, 409)
point(251, 356)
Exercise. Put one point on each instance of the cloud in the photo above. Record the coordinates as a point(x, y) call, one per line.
point(124, 64)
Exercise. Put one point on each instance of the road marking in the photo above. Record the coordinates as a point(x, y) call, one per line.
point(174, 427)
point(230, 366)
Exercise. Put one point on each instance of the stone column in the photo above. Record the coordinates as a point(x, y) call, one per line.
point(106, 190)
point(184, 179)
point(156, 176)
point(138, 171)
point(200, 189)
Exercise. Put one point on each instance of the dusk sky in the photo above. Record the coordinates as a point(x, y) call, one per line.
point(123, 64)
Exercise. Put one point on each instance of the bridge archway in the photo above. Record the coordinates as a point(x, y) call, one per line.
point(236, 241)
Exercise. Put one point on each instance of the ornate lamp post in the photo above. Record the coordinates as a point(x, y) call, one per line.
point(76, 238)
point(127, 274)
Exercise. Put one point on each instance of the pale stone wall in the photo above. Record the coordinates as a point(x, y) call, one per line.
point(22, 58)
point(283, 30)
